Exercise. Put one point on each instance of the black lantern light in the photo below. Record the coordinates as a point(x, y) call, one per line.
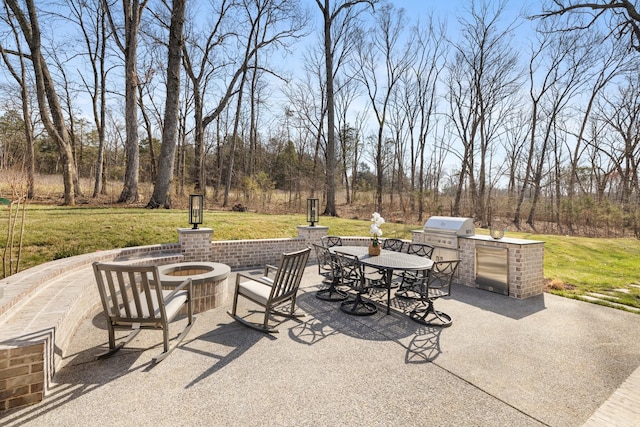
point(195, 209)
point(313, 213)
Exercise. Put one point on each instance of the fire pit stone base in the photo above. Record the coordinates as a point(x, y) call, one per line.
point(209, 281)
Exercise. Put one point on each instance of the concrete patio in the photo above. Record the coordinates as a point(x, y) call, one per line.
point(544, 360)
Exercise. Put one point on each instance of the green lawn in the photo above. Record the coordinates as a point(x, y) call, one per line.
point(573, 265)
point(579, 265)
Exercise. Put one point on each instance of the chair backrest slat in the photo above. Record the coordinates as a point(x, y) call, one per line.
point(290, 270)
point(135, 294)
point(112, 295)
point(281, 281)
point(149, 296)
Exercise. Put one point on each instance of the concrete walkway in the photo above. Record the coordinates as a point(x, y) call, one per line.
point(546, 360)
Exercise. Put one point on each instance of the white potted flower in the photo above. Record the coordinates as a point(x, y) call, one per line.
point(376, 232)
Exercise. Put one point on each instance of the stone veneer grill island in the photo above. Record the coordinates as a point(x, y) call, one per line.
point(513, 267)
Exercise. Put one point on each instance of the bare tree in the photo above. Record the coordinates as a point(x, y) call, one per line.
point(350, 144)
point(20, 76)
point(132, 13)
point(397, 125)
point(621, 113)
point(309, 98)
point(557, 71)
point(514, 142)
point(420, 102)
point(90, 17)
point(611, 61)
point(271, 22)
point(200, 67)
point(64, 83)
point(148, 124)
point(482, 80)
point(51, 112)
point(384, 47)
point(330, 15)
point(307, 108)
point(160, 196)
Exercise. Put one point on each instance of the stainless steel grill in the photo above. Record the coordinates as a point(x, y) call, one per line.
point(443, 232)
point(450, 225)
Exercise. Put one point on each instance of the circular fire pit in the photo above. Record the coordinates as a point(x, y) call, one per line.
point(209, 281)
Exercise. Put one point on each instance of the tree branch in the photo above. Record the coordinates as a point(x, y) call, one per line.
point(629, 13)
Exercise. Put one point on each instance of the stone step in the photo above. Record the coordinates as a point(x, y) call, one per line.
point(595, 297)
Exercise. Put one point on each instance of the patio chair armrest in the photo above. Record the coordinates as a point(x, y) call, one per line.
point(186, 283)
point(268, 268)
point(264, 280)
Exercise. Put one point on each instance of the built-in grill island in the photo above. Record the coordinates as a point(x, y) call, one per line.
point(507, 265)
point(442, 232)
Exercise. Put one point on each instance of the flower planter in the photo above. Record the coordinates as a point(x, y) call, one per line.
point(374, 250)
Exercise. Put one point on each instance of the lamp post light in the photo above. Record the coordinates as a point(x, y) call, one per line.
point(196, 202)
point(313, 211)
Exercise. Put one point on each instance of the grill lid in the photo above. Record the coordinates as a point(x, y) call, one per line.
point(450, 224)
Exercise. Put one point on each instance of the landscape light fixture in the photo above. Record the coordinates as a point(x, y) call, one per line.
point(196, 202)
point(313, 215)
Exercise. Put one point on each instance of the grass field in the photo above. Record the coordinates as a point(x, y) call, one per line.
point(574, 266)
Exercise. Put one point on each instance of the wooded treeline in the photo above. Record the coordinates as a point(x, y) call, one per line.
point(529, 116)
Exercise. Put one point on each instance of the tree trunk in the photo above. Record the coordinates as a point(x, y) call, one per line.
point(148, 127)
point(51, 112)
point(132, 12)
point(21, 78)
point(330, 208)
point(170, 128)
point(232, 147)
point(198, 173)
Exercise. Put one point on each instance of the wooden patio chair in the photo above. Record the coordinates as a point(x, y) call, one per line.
point(133, 299)
point(271, 293)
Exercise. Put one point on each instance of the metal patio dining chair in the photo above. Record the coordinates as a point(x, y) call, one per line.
point(393, 244)
point(352, 275)
point(409, 279)
point(328, 268)
point(331, 241)
point(435, 284)
point(272, 293)
point(390, 244)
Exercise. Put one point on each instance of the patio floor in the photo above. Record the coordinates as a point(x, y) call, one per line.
point(546, 360)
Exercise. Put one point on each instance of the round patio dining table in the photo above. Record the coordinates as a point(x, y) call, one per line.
point(388, 262)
